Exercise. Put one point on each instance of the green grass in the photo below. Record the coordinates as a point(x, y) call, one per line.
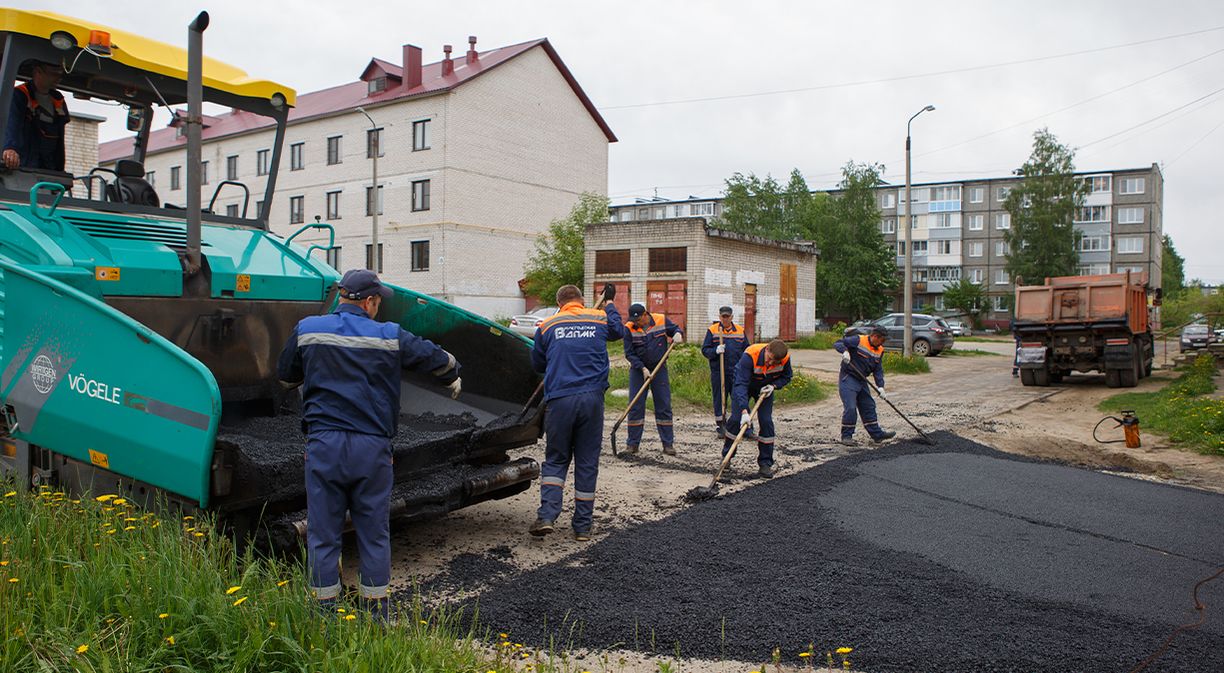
point(961, 352)
point(985, 339)
point(896, 363)
point(689, 373)
point(819, 341)
point(1181, 410)
point(102, 586)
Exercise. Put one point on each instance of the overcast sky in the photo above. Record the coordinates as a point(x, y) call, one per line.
point(636, 59)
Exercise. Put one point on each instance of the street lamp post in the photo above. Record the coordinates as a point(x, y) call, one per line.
point(909, 248)
point(375, 264)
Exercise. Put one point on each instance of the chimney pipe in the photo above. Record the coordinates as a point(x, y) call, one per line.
point(448, 66)
point(412, 66)
point(195, 112)
point(473, 56)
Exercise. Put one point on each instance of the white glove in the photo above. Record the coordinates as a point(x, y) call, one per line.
point(455, 387)
point(720, 349)
point(846, 357)
point(882, 393)
point(646, 372)
point(766, 391)
point(745, 419)
point(678, 338)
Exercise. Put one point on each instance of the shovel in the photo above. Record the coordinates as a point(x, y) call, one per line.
point(923, 439)
point(642, 391)
point(705, 493)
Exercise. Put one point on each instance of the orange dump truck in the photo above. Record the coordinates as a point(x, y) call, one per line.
point(1082, 324)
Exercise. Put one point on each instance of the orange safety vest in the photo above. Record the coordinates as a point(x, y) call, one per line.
point(736, 331)
point(758, 361)
point(867, 350)
point(660, 323)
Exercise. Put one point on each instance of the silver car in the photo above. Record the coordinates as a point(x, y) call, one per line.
point(526, 323)
point(931, 334)
point(959, 328)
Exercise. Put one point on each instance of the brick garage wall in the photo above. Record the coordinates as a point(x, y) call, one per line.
point(81, 145)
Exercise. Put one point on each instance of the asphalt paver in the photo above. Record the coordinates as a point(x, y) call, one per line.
point(954, 558)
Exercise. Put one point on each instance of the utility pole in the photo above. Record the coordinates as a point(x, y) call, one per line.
point(909, 246)
point(375, 258)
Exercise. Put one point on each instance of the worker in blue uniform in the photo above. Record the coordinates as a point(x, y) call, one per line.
point(862, 356)
point(724, 343)
point(571, 351)
point(761, 370)
point(349, 366)
point(34, 132)
point(649, 336)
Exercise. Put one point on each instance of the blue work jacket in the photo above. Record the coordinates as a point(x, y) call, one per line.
point(864, 358)
point(571, 349)
point(734, 339)
point(644, 347)
point(752, 374)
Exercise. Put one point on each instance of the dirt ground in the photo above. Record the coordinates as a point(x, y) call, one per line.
point(975, 397)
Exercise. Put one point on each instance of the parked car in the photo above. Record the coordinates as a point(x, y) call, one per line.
point(526, 323)
point(1196, 336)
point(959, 328)
point(932, 334)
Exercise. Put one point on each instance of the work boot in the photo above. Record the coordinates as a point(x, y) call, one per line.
point(582, 534)
point(630, 449)
point(541, 527)
point(886, 434)
point(722, 432)
point(766, 472)
point(849, 441)
point(669, 449)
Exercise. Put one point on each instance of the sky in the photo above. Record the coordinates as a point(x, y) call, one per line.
point(698, 90)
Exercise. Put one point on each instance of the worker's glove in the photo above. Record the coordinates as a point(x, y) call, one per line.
point(846, 358)
point(678, 338)
point(766, 391)
point(745, 419)
point(646, 372)
point(722, 348)
point(455, 387)
point(881, 393)
point(609, 292)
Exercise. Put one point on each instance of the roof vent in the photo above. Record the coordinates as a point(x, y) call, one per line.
point(448, 66)
point(473, 56)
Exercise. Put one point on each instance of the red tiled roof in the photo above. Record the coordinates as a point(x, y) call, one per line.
point(356, 94)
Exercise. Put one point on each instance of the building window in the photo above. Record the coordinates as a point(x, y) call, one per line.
point(888, 226)
point(1092, 214)
point(376, 85)
point(231, 167)
point(976, 222)
point(374, 143)
point(888, 200)
point(261, 162)
point(611, 262)
point(1002, 193)
point(1002, 248)
point(977, 194)
point(203, 172)
point(420, 195)
point(333, 151)
point(1091, 269)
point(297, 209)
point(975, 248)
point(1130, 216)
point(703, 209)
point(626, 215)
point(943, 221)
point(999, 302)
point(1099, 184)
point(952, 193)
point(297, 156)
point(946, 248)
point(151, 178)
point(370, 201)
point(1132, 269)
point(900, 248)
point(977, 275)
point(680, 210)
point(420, 255)
point(1002, 221)
point(1130, 245)
point(668, 260)
point(920, 248)
point(1131, 186)
point(231, 210)
point(420, 135)
point(1094, 243)
point(370, 258)
point(333, 257)
point(333, 205)
point(1001, 277)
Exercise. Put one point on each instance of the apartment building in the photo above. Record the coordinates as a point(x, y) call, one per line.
point(958, 229)
point(476, 155)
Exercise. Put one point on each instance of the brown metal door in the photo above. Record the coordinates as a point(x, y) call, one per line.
point(670, 298)
point(788, 299)
point(750, 312)
point(622, 299)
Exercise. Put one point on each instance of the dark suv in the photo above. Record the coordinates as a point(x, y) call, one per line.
point(1196, 336)
point(932, 335)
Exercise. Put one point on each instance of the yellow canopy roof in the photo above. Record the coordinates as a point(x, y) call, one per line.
point(143, 53)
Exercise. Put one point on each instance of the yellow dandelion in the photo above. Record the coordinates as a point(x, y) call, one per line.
point(805, 654)
point(10, 494)
point(163, 615)
point(189, 518)
point(155, 524)
point(129, 528)
point(3, 563)
point(282, 583)
point(424, 622)
point(272, 625)
point(119, 501)
point(341, 610)
point(130, 518)
point(349, 618)
point(844, 650)
point(506, 644)
point(82, 649)
point(189, 529)
point(12, 580)
point(503, 636)
point(105, 498)
point(524, 655)
point(240, 601)
point(111, 531)
point(170, 640)
point(198, 534)
point(233, 590)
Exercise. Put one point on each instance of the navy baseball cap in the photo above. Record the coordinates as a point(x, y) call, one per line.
point(361, 283)
point(636, 310)
point(725, 310)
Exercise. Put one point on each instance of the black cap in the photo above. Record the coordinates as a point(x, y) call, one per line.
point(361, 283)
point(636, 310)
point(725, 310)
point(880, 330)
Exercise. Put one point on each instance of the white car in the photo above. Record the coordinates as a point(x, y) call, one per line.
point(526, 323)
point(959, 328)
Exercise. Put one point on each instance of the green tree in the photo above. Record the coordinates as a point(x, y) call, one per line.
point(1172, 270)
point(763, 207)
point(857, 271)
point(1042, 239)
point(966, 297)
point(559, 253)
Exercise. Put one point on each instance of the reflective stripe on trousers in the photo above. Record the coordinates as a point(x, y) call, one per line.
point(573, 432)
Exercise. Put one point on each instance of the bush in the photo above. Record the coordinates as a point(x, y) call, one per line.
point(896, 363)
point(820, 341)
point(1182, 410)
point(839, 328)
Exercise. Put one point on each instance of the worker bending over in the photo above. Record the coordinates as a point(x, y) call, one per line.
point(571, 350)
point(861, 355)
point(762, 369)
point(350, 366)
point(649, 336)
point(724, 344)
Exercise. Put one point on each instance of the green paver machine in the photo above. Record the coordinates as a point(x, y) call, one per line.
point(138, 340)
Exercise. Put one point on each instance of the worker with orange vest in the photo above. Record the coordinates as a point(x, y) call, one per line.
point(34, 132)
point(761, 370)
point(724, 341)
point(648, 337)
point(861, 356)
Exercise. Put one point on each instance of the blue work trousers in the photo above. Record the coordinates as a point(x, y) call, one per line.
point(856, 400)
point(660, 390)
point(765, 430)
point(348, 472)
point(573, 432)
point(716, 385)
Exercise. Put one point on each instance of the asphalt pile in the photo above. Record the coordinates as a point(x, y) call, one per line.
point(948, 558)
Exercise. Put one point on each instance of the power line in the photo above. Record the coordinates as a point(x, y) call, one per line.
point(1194, 145)
point(1150, 120)
point(898, 78)
point(1150, 129)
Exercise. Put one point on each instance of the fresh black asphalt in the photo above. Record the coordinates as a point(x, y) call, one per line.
point(953, 558)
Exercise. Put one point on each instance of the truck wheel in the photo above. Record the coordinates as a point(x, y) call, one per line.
point(1041, 377)
point(1026, 377)
point(922, 347)
point(1129, 377)
point(1113, 378)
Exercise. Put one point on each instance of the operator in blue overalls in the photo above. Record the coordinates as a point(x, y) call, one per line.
point(350, 367)
point(34, 132)
point(861, 356)
point(648, 338)
point(762, 369)
point(726, 339)
point(571, 351)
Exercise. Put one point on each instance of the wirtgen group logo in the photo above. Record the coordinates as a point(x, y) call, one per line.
point(43, 373)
